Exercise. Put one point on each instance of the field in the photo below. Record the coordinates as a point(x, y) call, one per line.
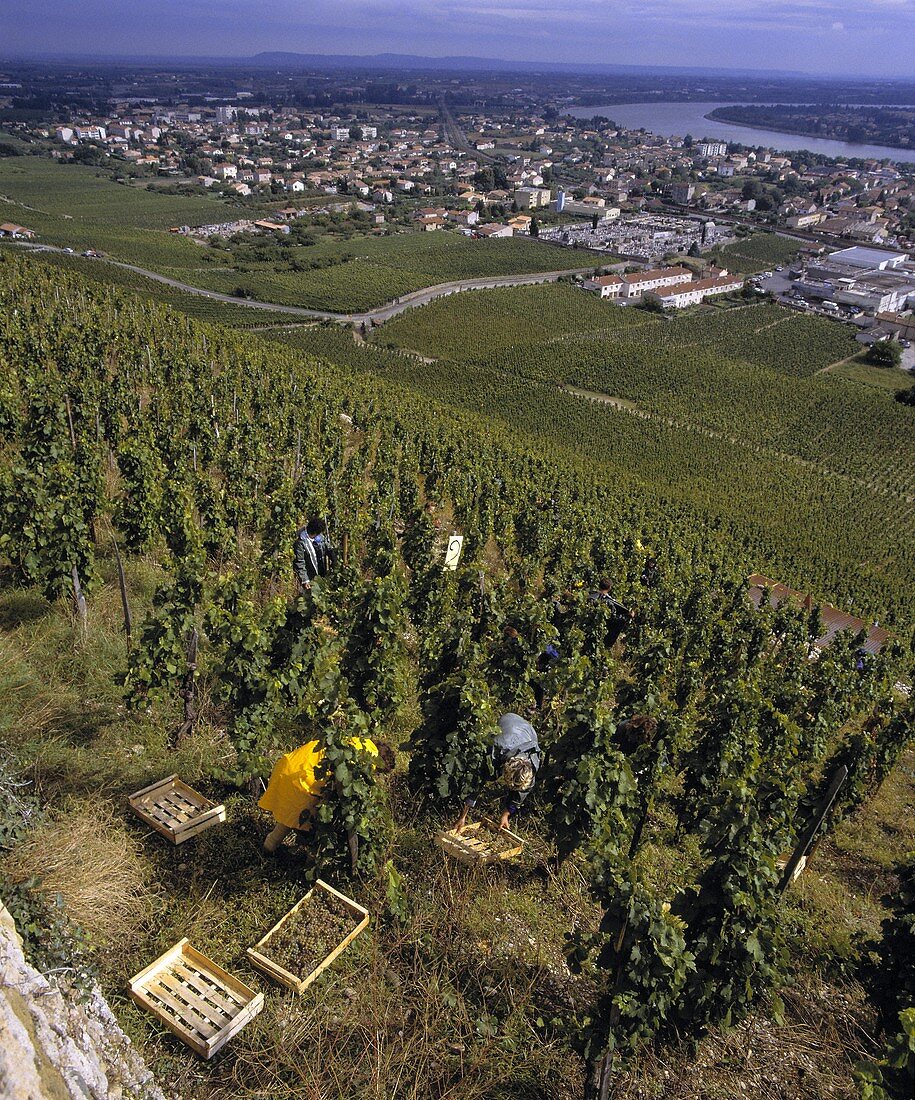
point(643, 932)
point(365, 272)
point(755, 375)
point(760, 252)
point(81, 207)
point(202, 309)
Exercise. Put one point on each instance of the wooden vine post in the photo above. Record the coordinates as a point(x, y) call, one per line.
point(125, 602)
point(806, 839)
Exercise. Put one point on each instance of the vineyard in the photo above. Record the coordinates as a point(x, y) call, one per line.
point(754, 376)
point(155, 471)
point(365, 272)
point(194, 305)
point(757, 253)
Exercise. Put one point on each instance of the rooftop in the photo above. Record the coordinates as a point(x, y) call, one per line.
point(834, 620)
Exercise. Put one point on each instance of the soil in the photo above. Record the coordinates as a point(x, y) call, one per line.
point(308, 937)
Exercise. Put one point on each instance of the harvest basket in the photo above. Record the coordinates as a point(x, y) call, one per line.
point(475, 844)
point(260, 957)
point(175, 810)
point(196, 999)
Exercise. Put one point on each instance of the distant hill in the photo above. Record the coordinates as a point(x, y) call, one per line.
point(476, 64)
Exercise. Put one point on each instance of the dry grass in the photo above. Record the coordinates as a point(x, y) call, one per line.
point(807, 1057)
point(84, 853)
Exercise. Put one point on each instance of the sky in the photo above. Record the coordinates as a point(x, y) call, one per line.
point(841, 37)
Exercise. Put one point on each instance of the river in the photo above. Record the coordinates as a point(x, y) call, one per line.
point(680, 119)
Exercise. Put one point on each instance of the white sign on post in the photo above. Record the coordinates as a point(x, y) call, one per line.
point(453, 553)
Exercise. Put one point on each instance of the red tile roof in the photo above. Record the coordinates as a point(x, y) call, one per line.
point(834, 620)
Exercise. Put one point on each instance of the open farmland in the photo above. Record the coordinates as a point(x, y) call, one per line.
point(83, 208)
point(757, 253)
point(755, 375)
point(365, 272)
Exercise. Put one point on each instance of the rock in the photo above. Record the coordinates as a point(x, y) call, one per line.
point(57, 1044)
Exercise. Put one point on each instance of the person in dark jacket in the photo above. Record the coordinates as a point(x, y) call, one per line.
point(516, 758)
point(651, 575)
point(313, 555)
point(620, 617)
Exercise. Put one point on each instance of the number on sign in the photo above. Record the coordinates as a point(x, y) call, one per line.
point(453, 553)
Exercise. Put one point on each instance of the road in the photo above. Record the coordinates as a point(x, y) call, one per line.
point(375, 316)
point(458, 138)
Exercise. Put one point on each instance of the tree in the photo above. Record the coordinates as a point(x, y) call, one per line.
point(906, 397)
point(535, 232)
point(884, 353)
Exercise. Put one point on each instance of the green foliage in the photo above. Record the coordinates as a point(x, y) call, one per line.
point(450, 751)
point(884, 353)
point(590, 783)
point(731, 916)
point(639, 957)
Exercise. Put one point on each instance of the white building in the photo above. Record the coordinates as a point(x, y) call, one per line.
point(873, 258)
point(226, 115)
point(692, 293)
point(65, 134)
point(90, 133)
point(643, 282)
point(712, 149)
point(340, 133)
point(607, 286)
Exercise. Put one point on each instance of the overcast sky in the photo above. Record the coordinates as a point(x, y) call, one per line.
point(868, 37)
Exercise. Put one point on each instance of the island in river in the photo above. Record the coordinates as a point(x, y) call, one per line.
point(888, 126)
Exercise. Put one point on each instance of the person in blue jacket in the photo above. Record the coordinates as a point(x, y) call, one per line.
point(516, 758)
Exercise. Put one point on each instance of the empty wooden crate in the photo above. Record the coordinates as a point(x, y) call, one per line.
point(200, 1002)
point(481, 842)
point(260, 953)
point(176, 810)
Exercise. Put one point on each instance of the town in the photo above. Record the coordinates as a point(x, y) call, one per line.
point(639, 202)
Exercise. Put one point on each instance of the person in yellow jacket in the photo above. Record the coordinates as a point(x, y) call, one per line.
point(295, 789)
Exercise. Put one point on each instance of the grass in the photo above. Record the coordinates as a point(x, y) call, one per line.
point(83, 208)
point(463, 999)
point(85, 853)
point(759, 252)
point(881, 378)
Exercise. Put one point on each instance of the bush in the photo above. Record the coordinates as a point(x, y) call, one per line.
point(884, 353)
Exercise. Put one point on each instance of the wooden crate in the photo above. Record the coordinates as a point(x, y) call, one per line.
point(297, 982)
point(176, 810)
point(472, 845)
point(196, 999)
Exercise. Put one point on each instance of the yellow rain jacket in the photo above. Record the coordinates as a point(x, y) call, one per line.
point(294, 787)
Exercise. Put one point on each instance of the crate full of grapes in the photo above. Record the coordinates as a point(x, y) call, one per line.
point(309, 937)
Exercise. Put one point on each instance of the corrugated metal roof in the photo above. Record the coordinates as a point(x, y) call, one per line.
point(834, 620)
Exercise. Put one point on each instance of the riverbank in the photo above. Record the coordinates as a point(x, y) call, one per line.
point(720, 114)
point(679, 118)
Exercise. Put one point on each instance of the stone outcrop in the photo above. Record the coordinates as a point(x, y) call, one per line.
point(57, 1046)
